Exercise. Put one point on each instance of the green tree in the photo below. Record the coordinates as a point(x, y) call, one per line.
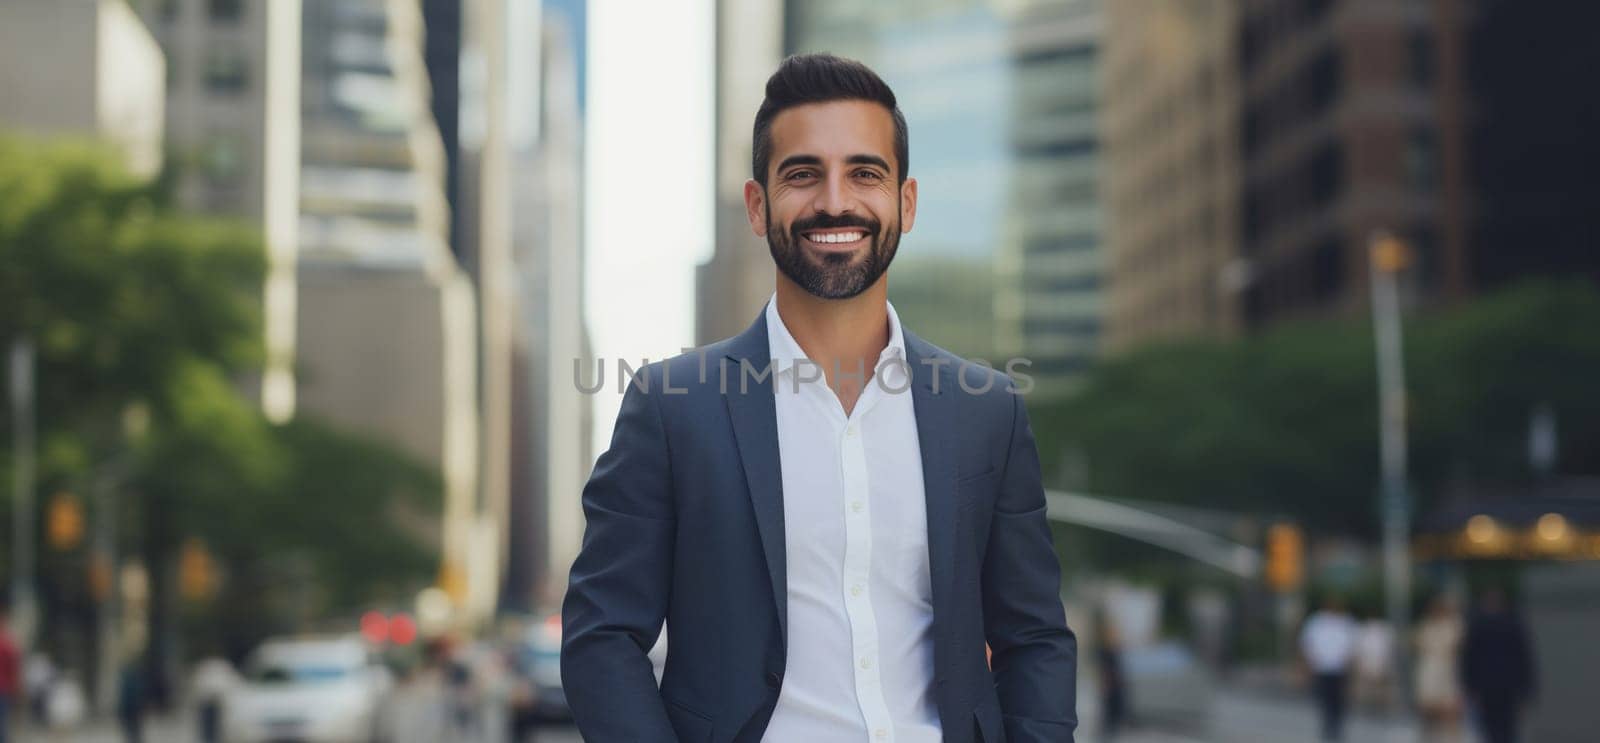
point(1285, 423)
point(134, 306)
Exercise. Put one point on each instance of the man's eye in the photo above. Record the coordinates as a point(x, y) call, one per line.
point(800, 174)
point(868, 174)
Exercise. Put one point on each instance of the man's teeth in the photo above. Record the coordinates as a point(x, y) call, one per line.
point(837, 237)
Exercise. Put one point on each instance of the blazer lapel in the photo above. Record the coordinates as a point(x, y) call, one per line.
point(935, 427)
point(753, 409)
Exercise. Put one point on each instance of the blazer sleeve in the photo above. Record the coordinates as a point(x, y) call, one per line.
point(1034, 659)
point(617, 593)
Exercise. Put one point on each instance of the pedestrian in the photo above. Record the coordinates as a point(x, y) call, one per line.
point(461, 691)
point(38, 675)
point(131, 701)
point(1113, 686)
point(1374, 662)
point(10, 673)
point(1438, 685)
point(214, 677)
point(1327, 643)
point(1497, 668)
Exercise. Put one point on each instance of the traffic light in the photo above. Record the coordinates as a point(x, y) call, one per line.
point(64, 522)
point(1285, 557)
point(197, 573)
point(1390, 254)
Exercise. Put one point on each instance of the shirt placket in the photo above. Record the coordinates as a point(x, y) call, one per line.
point(858, 572)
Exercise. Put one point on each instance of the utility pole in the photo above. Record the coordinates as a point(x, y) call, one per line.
point(1387, 257)
point(23, 607)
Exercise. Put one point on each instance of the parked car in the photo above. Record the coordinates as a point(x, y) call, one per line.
point(1167, 685)
point(535, 659)
point(317, 690)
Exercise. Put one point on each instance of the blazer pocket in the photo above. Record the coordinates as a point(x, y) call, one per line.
point(689, 725)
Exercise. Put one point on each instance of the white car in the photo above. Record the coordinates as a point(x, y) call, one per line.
point(327, 690)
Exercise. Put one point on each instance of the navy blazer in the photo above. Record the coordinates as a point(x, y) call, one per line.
point(685, 524)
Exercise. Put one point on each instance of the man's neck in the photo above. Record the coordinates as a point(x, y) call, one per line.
point(841, 335)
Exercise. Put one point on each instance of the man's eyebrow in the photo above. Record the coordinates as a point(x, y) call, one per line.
point(862, 159)
point(868, 160)
point(794, 160)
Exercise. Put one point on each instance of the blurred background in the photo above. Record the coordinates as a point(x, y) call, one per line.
point(299, 299)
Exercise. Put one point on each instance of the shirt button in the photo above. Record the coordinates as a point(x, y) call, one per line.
point(866, 663)
point(880, 733)
point(857, 506)
point(851, 431)
point(855, 590)
point(774, 680)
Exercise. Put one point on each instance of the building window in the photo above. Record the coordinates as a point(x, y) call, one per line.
point(1327, 271)
point(222, 160)
point(1421, 160)
point(227, 71)
point(1422, 62)
point(1323, 79)
point(226, 11)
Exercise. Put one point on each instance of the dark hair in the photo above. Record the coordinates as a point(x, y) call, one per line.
point(821, 78)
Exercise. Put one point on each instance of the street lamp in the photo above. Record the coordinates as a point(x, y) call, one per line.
point(24, 608)
point(1388, 256)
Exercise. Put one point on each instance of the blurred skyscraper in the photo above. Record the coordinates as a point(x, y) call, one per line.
point(551, 422)
point(388, 335)
point(731, 287)
point(1049, 299)
point(1343, 133)
point(233, 139)
point(1001, 98)
point(1451, 124)
point(520, 160)
point(520, 157)
point(88, 69)
point(1170, 126)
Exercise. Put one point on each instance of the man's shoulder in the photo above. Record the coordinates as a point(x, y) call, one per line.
point(975, 377)
point(691, 371)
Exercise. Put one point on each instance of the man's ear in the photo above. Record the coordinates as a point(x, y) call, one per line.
point(755, 207)
point(908, 204)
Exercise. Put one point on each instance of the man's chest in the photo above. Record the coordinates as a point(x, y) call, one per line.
point(852, 487)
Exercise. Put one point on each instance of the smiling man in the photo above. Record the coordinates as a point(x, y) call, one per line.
point(833, 517)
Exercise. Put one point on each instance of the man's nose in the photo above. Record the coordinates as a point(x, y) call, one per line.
point(834, 196)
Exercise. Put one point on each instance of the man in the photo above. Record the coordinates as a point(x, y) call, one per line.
point(1328, 642)
point(213, 679)
point(10, 674)
point(832, 515)
point(1497, 667)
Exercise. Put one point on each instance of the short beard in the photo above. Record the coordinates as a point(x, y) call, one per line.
point(838, 276)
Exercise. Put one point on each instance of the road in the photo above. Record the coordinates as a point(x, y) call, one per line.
point(1237, 717)
point(172, 730)
point(1247, 717)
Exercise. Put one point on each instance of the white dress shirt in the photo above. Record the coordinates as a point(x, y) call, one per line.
point(1328, 641)
point(860, 655)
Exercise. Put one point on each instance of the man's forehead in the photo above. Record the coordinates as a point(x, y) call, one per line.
point(834, 129)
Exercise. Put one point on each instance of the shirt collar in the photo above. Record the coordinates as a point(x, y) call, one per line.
point(786, 351)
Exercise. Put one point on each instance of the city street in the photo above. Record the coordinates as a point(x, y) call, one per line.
point(417, 713)
point(1239, 717)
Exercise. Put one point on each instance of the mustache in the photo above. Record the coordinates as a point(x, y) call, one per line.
point(829, 221)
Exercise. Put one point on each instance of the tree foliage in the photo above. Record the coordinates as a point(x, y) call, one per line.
point(134, 306)
point(1285, 423)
